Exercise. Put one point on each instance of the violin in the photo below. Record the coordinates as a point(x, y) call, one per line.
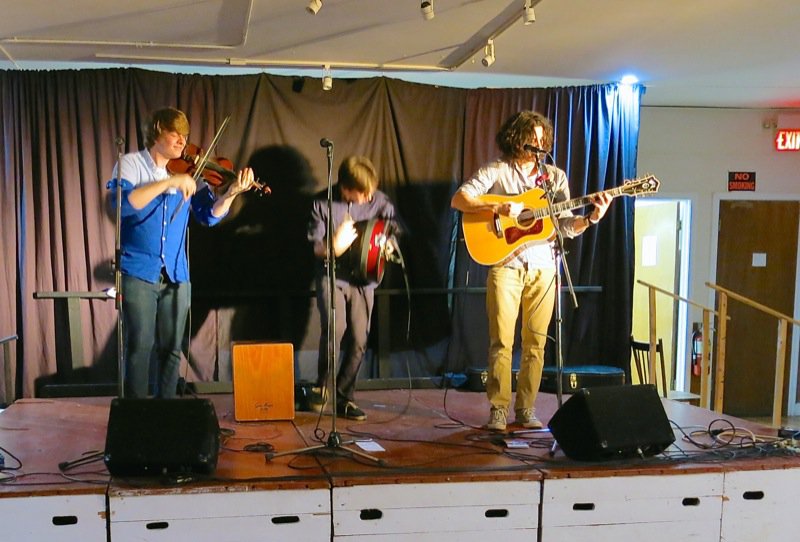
point(217, 172)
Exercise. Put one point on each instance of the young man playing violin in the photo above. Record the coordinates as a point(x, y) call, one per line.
point(155, 286)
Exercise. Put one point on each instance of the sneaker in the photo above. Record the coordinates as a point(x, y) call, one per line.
point(316, 399)
point(497, 419)
point(350, 410)
point(527, 418)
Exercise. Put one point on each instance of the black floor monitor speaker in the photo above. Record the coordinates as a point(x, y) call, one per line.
point(612, 422)
point(153, 437)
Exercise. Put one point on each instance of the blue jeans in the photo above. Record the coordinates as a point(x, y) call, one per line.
point(154, 318)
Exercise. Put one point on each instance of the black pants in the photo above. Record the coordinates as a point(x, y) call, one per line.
point(352, 316)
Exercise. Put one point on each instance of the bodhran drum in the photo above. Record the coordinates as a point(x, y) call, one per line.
point(366, 257)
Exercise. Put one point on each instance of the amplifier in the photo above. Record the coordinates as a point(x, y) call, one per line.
point(154, 437)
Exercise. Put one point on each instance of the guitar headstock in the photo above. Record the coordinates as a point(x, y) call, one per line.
point(641, 186)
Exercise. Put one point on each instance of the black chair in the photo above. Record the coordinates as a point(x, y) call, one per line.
point(641, 357)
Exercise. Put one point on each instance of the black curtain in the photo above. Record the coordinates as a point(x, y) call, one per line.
point(251, 274)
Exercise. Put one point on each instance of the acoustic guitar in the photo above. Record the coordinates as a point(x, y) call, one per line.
point(492, 238)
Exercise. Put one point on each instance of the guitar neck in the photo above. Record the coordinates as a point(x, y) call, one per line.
point(577, 203)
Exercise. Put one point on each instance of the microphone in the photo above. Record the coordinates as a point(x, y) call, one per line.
point(119, 141)
point(531, 148)
point(325, 142)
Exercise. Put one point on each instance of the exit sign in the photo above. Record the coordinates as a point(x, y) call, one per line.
point(741, 181)
point(787, 139)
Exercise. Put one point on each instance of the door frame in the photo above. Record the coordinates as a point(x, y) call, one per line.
point(680, 317)
point(793, 406)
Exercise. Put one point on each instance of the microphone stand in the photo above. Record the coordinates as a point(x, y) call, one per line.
point(560, 262)
point(120, 141)
point(334, 444)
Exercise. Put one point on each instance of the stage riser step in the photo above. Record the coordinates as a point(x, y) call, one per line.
point(465, 507)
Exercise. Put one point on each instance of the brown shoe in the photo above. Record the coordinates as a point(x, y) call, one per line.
point(527, 419)
point(316, 399)
point(497, 419)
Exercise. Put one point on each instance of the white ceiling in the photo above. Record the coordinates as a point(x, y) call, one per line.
point(719, 53)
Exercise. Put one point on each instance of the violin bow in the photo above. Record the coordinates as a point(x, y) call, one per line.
point(201, 164)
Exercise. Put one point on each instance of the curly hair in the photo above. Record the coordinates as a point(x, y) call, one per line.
point(164, 120)
point(517, 131)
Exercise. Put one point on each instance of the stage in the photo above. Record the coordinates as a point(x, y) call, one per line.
point(430, 474)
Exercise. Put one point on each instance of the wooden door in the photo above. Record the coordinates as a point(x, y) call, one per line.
point(756, 257)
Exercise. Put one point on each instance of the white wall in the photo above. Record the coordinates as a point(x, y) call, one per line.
point(691, 151)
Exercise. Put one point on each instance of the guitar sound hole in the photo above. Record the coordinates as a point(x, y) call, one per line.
point(526, 218)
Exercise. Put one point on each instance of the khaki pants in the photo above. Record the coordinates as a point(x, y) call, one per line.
point(508, 290)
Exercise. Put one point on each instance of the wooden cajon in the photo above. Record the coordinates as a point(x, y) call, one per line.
point(263, 381)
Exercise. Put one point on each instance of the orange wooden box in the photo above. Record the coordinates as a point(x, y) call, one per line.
point(263, 381)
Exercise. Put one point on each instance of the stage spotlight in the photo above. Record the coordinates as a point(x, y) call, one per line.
point(629, 79)
point(426, 7)
point(488, 54)
point(528, 15)
point(314, 6)
point(327, 78)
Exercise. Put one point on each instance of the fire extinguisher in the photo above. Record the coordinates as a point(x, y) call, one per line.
point(697, 349)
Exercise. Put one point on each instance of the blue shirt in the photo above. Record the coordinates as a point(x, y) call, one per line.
point(154, 237)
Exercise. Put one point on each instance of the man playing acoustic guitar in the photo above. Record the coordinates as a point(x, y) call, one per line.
point(526, 276)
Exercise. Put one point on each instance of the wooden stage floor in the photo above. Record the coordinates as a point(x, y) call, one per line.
point(436, 476)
